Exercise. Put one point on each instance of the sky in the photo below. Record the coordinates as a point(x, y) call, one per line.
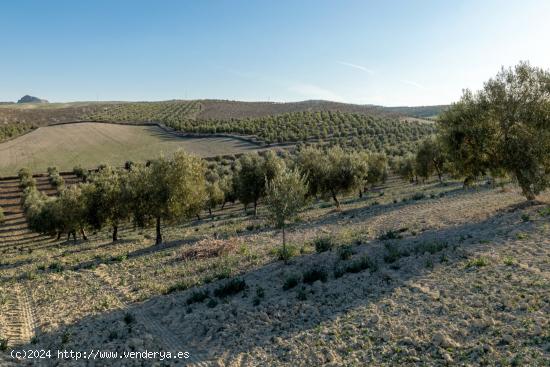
point(420, 52)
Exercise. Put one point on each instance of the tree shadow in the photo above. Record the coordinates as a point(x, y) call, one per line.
point(200, 328)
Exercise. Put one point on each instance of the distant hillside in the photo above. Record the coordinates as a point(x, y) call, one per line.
point(419, 111)
point(31, 99)
point(222, 109)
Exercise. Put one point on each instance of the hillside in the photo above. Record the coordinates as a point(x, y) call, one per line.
point(463, 280)
point(92, 144)
point(31, 99)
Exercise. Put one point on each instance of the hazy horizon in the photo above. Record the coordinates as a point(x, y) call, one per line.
point(390, 54)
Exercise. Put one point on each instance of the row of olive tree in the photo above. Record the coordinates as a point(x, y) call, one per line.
point(164, 190)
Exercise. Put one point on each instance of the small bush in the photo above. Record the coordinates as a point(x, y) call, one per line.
point(478, 262)
point(197, 297)
point(178, 287)
point(231, 287)
point(431, 247)
point(3, 345)
point(345, 252)
point(393, 253)
point(314, 274)
point(418, 196)
point(291, 281)
point(361, 264)
point(211, 303)
point(525, 217)
point(56, 267)
point(286, 253)
point(509, 261)
point(323, 244)
point(390, 235)
point(2, 217)
point(545, 212)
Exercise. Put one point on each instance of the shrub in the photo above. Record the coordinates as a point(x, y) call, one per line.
point(361, 264)
point(545, 212)
point(393, 253)
point(314, 274)
point(178, 287)
point(418, 196)
point(431, 247)
point(291, 281)
point(197, 297)
point(301, 295)
point(478, 262)
point(2, 217)
point(231, 287)
point(287, 252)
point(345, 252)
point(323, 244)
point(390, 235)
point(212, 303)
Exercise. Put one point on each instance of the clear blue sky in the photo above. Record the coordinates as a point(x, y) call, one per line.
point(378, 52)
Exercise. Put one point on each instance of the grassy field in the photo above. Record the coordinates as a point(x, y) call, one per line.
point(417, 275)
point(91, 144)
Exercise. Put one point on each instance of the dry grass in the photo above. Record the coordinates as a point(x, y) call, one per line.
point(435, 303)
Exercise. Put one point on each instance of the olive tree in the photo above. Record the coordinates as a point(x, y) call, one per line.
point(430, 158)
point(285, 196)
point(108, 199)
point(174, 189)
point(503, 129)
point(253, 172)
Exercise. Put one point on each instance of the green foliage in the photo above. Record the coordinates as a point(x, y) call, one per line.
point(390, 235)
point(2, 217)
point(287, 252)
point(291, 281)
point(363, 263)
point(197, 296)
point(503, 129)
point(9, 131)
point(285, 196)
point(431, 246)
point(311, 275)
point(477, 262)
point(406, 168)
point(323, 244)
point(253, 173)
point(334, 172)
point(431, 157)
point(229, 288)
point(55, 178)
point(345, 252)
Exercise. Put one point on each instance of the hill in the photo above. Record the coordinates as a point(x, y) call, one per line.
point(92, 144)
point(31, 99)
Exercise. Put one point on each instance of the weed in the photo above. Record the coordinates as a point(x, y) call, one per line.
point(197, 297)
point(287, 252)
point(3, 345)
point(231, 287)
point(178, 287)
point(291, 281)
point(56, 267)
point(521, 236)
point(65, 337)
point(478, 262)
point(314, 274)
point(431, 247)
point(361, 264)
point(418, 196)
point(525, 217)
point(545, 212)
point(429, 264)
point(390, 235)
point(345, 252)
point(323, 244)
point(260, 294)
point(393, 253)
point(509, 261)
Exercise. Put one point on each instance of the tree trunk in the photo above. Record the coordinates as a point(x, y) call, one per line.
point(255, 208)
point(159, 234)
point(115, 233)
point(210, 211)
point(223, 204)
point(74, 235)
point(335, 200)
point(58, 236)
point(68, 236)
point(83, 233)
point(360, 194)
point(198, 216)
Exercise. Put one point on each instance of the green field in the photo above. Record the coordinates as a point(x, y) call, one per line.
point(91, 144)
